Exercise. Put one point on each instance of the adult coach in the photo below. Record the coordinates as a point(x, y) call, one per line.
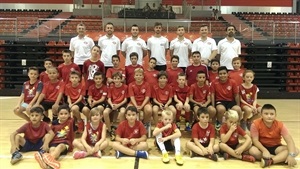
point(81, 46)
point(229, 47)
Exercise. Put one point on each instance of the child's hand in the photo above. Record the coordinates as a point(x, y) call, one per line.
point(162, 106)
point(125, 141)
point(161, 139)
point(238, 151)
point(186, 106)
point(266, 154)
point(133, 141)
point(205, 151)
point(114, 107)
point(45, 147)
point(89, 150)
point(291, 161)
point(210, 150)
point(233, 127)
point(168, 126)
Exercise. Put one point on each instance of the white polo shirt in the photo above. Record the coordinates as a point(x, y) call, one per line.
point(130, 45)
point(204, 47)
point(228, 50)
point(81, 48)
point(158, 47)
point(181, 49)
point(109, 47)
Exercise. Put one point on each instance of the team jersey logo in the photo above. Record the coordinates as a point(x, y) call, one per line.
point(204, 91)
point(243, 91)
point(63, 132)
point(26, 86)
point(167, 92)
point(123, 91)
point(154, 75)
point(72, 69)
point(207, 133)
point(136, 131)
point(143, 91)
point(57, 87)
point(114, 42)
point(228, 87)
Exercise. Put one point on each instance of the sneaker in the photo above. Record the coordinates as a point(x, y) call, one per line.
point(38, 157)
point(165, 158)
point(112, 135)
point(79, 154)
point(80, 126)
point(119, 154)
point(178, 125)
point(217, 125)
point(193, 154)
point(188, 126)
point(243, 125)
point(142, 154)
point(214, 157)
point(16, 157)
point(226, 156)
point(265, 162)
point(97, 154)
point(248, 158)
point(178, 159)
point(50, 161)
point(148, 128)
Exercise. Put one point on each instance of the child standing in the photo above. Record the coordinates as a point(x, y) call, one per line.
point(129, 70)
point(150, 73)
point(173, 71)
point(63, 129)
point(37, 136)
point(266, 134)
point(48, 63)
point(131, 136)
point(248, 94)
point(213, 73)
point(191, 71)
point(93, 139)
point(237, 73)
point(117, 100)
point(31, 90)
point(116, 68)
point(203, 137)
point(167, 136)
point(230, 132)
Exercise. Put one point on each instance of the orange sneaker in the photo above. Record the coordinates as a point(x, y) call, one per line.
point(40, 160)
point(248, 158)
point(50, 161)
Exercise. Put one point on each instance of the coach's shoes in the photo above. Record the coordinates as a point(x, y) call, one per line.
point(178, 159)
point(16, 157)
point(165, 158)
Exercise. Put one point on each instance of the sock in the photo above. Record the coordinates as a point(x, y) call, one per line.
point(177, 146)
point(161, 145)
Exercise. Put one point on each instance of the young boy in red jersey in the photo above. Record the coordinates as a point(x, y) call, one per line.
point(224, 95)
point(91, 66)
point(117, 100)
point(93, 139)
point(51, 95)
point(266, 134)
point(191, 71)
point(75, 92)
point(129, 70)
point(67, 67)
point(203, 137)
point(237, 73)
point(200, 96)
point(63, 128)
point(162, 95)
point(37, 136)
point(173, 71)
point(167, 136)
point(150, 74)
point(97, 94)
point(229, 134)
point(31, 90)
point(44, 76)
point(181, 97)
point(139, 92)
point(131, 136)
point(213, 73)
point(116, 68)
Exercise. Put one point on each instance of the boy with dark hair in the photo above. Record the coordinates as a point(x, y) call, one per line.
point(174, 71)
point(65, 68)
point(48, 63)
point(213, 73)
point(150, 73)
point(192, 70)
point(116, 68)
point(129, 70)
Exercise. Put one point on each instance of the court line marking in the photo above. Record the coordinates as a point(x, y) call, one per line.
point(4, 97)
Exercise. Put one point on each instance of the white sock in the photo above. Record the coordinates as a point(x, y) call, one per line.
point(177, 146)
point(161, 145)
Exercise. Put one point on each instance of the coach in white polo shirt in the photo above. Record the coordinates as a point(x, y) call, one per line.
point(81, 46)
point(109, 45)
point(229, 47)
point(181, 47)
point(158, 47)
point(134, 44)
point(205, 45)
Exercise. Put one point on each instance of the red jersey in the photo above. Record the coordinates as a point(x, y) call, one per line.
point(129, 73)
point(97, 93)
point(203, 134)
point(248, 95)
point(213, 76)
point(111, 71)
point(169, 131)
point(89, 69)
point(237, 76)
point(162, 95)
point(173, 75)
point(151, 77)
point(34, 134)
point(139, 92)
point(93, 135)
point(64, 133)
point(200, 94)
point(181, 93)
point(65, 70)
point(52, 90)
point(234, 138)
point(126, 131)
point(117, 94)
point(191, 73)
point(74, 92)
point(268, 136)
point(30, 90)
point(224, 91)
point(44, 77)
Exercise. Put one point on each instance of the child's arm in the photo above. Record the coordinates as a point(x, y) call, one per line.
point(132, 98)
point(192, 99)
point(187, 100)
point(21, 100)
point(176, 134)
point(37, 94)
point(158, 103)
point(169, 102)
point(84, 143)
point(69, 101)
point(237, 99)
point(123, 102)
point(58, 99)
point(293, 151)
point(39, 100)
point(90, 99)
point(257, 143)
point(157, 130)
point(208, 100)
point(226, 137)
point(213, 101)
point(14, 147)
point(47, 140)
point(147, 98)
point(247, 142)
point(102, 99)
point(109, 102)
point(103, 138)
point(78, 100)
point(177, 100)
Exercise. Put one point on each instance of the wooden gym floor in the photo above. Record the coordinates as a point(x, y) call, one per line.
point(288, 111)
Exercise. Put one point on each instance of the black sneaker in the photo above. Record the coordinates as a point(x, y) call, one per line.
point(193, 154)
point(112, 135)
point(16, 157)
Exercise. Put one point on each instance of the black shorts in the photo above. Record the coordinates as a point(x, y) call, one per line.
point(226, 104)
point(233, 146)
point(272, 149)
point(168, 145)
point(80, 105)
point(47, 105)
point(193, 105)
point(160, 67)
point(56, 144)
point(123, 105)
point(103, 104)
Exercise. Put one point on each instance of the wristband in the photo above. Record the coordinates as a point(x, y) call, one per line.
point(292, 154)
